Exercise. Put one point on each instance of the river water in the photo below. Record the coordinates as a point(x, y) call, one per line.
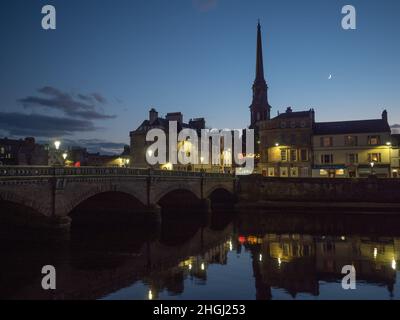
point(251, 255)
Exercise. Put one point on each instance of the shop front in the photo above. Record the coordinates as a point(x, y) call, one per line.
point(330, 171)
point(378, 170)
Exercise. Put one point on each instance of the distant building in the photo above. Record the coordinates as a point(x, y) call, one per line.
point(285, 144)
point(23, 152)
point(99, 160)
point(352, 148)
point(395, 155)
point(139, 146)
point(77, 156)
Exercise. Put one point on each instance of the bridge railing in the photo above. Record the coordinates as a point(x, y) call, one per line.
point(38, 171)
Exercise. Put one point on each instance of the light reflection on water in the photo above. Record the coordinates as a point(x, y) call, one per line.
point(252, 256)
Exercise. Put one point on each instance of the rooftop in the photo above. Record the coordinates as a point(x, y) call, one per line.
point(357, 126)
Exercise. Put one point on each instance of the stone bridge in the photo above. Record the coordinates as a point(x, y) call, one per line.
point(53, 192)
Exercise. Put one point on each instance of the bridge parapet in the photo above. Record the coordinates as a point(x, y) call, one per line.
point(42, 171)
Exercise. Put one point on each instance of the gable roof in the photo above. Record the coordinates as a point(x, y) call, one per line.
point(357, 126)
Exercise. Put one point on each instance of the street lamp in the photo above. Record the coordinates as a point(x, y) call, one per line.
point(277, 144)
point(57, 144)
point(372, 164)
point(65, 155)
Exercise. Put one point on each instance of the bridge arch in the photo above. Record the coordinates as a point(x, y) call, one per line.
point(218, 187)
point(30, 203)
point(169, 189)
point(78, 200)
point(178, 198)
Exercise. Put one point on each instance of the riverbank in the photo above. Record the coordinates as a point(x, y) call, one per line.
point(314, 206)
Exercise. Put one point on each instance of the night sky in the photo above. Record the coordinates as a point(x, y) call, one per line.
point(94, 79)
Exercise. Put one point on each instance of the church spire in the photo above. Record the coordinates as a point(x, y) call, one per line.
point(259, 63)
point(260, 108)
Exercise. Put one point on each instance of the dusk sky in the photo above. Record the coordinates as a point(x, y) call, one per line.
point(108, 62)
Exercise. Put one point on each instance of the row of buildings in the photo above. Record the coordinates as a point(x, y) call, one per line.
point(27, 152)
point(292, 144)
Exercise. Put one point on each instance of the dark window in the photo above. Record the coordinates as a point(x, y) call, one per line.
point(327, 158)
point(303, 155)
point(293, 155)
point(353, 158)
point(350, 140)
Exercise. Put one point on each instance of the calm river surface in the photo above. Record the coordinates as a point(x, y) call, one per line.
point(274, 255)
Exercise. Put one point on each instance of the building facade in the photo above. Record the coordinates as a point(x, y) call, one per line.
point(285, 144)
point(139, 146)
point(353, 148)
point(395, 155)
point(23, 152)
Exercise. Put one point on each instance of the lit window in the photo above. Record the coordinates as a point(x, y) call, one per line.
point(323, 172)
point(374, 140)
point(326, 141)
point(2, 150)
point(374, 157)
point(294, 172)
point(284, 171)
point(283, 154)
point(271, 172)
point(340, 172)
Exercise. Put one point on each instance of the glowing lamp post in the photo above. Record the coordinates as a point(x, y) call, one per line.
point(372, 164)
point(57, 144)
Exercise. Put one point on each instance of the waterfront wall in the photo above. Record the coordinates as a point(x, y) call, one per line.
point(255, 188)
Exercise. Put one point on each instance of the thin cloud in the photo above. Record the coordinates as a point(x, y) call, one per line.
point(101, 146)
point(205, 5)
point(99, 98)
point(79, 106)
